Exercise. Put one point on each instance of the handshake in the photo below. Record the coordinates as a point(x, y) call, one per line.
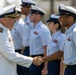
point(38, 60)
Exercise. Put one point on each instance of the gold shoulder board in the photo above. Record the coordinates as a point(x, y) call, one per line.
point(1, 30)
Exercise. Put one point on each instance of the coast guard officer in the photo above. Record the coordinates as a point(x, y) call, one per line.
point(17, 32)
point(39, 39)
point(17, 36)
point(8, 57)
point(67, 19)
point(25, 10)
point(55, 44)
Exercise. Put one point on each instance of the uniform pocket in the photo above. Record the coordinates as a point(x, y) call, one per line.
point(35, 36)
point(69, 43)
point(54, 44)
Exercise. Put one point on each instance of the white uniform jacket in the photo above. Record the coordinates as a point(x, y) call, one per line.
point(8, 57)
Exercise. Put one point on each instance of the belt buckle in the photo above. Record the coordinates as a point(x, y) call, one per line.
point(30, 56)
point(65, 66)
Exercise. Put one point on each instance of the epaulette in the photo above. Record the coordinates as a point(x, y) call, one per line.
point(1, 30)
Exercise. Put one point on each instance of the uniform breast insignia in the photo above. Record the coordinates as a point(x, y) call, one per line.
point(36, 33)
point(11, 41)
point(27, 23)
point(1, 30)
point(55, 41)
point(14, 28)
point(69, 39)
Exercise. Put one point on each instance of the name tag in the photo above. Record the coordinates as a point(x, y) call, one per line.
point(36, 33)
point(69, 39)
point(27, 23)
point(55, 41)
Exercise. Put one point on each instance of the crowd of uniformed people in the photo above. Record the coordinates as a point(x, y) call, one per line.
point(29, 47)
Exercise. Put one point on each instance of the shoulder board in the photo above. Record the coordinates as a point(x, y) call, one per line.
point(74, 28)
point(1, 30)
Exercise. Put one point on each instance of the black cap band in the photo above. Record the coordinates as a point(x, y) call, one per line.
point(36, 11)
point(13, 14)
point(66, 12)
point(27, 4)
point(54, 20)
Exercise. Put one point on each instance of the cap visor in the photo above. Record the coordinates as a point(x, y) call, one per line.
point(58, 14)
point(48, 21)
point(22, 5)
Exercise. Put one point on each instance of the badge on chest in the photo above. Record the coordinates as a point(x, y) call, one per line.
point(55, 41)
point(35, 32)
point(69, 38)
point(10, 41)
point(27, 23)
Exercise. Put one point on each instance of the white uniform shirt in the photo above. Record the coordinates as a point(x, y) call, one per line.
point(26, 31)
point(8, 57)
point(69, 46)
point(17, 34)
point(55, 43)
point(40, 36)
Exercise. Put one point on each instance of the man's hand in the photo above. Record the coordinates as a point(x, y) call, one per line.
point(37, 61)
point(44, 71)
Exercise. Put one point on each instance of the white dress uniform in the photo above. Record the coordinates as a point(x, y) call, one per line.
point(69, 46)
point(17, 34)
point(26, 31)
point(40, 36)
point(8, 57)
point(55, 43)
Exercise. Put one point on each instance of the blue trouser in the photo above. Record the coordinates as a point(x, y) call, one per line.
point(54, 67)
point(36, 70)
point(20, 68)
point(70, 70)
point(26, 53)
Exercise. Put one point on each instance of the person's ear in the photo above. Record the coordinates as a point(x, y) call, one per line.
point(56, 25)
point(3, 19)
point(70, 17)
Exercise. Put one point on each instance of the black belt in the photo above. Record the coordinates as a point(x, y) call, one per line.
point(18, 50)
point(71, 66)
point(55, 60)
point(27, 47)
point(37, 55)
